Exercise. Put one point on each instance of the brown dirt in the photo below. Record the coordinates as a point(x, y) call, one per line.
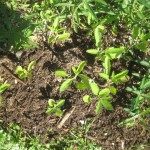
point(25, 103)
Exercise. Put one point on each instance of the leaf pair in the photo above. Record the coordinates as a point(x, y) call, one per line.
point(55, 107)
point(66, 84)
point(25, 73)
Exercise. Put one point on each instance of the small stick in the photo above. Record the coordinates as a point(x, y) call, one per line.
point(65, 118)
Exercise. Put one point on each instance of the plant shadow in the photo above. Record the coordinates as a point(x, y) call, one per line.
point(15, 29)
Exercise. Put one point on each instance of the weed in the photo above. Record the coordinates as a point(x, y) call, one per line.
point(25, 73)
point(3, 87)
point(54, 107)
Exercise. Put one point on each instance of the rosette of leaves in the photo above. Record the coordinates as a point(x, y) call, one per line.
point(105, 94)
point(57, 34)
point(82, 84)
point(3, 87)
point(55, 107)
point(25, 73)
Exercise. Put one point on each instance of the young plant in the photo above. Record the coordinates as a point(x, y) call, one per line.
point(105, 95)
point(55, 107)
point(57, 34)
point(3, 87)
point(77, 73)
point(142, 95)
point(25, 73)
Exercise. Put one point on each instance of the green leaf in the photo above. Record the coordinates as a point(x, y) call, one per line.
point(98, 36)
point(89, 9)
point(31, 66)
point(136, 31)
point(125, 3)
point(94, 88)
point(3, 87)
point(114, 52)
point(56, 23)
point(60, 73)
point(142, 46)
point(92, 51)
point(83, 76)
point(74, 70)
point(19, 69)
point(81, 85)
point(145, 63)
point(50, 110)
point(98, 107)
point(65, 85)
point(63, 37)
point(118, 76)
point(51, 39)
point(101, 2)
point(146, 95)
point(58, 112)
point(128, 121)
point(107, 105)
point(60, 103)
point(101, 28)
point(80, 67)
point(105, 76)
point(104, 92)
point(107, 65)
point(51, 102)
point(113, 90)
point(87, 99)
point(146, 85)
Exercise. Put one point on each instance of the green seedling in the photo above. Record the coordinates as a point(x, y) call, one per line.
point(141, 96)
point(83, 84)
point(113, 53)
point(3, 87)
point(105, 94)
point(55, 107)
point(112, 77)
point(57, 34)
point(25, 73)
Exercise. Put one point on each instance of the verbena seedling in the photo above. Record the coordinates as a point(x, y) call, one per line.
point(105, 95)
point(77, 73)
point(58, 34)
point(3, 87)
point(25, 73)
point(55, 107)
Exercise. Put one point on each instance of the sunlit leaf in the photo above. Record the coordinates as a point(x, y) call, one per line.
point(105, 76)
point(31, 65)
point(104, 92)
point(65, 85)
point(63, 37)
point(107, 65)
point(87, 99)
point(94, 88)
point(3, 87)
point(60, 103)
point(92, 51)
point(107, 105)
point(81, 66)
point(98, 107)
point(60, 73)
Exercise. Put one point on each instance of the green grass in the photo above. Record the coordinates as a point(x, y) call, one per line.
point(14, 139)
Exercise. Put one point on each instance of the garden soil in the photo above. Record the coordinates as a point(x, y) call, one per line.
point(26, 101)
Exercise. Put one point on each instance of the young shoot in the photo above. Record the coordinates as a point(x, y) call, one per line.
point(25, 73)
